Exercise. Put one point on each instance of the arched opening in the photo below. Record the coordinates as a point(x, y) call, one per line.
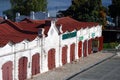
point(7, 71)
point(85, 48)
point(35, 64)
point(90, 46)
point(72, 52)
point(51, 59)
point(22, 68)
point(80, 49)
point(95, 45)
point(100, 43)
point(64, 55)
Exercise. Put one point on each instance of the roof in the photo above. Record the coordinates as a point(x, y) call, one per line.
point(28, 29)
point(1, 19)
point(70, 24)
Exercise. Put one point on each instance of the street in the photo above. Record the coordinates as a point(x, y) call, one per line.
point(107, 70)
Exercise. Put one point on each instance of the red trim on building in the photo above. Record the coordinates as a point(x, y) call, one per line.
point(100, 43)
point(72, 52)
point(90, 46)
point(7, 71)
point(64, 55)
point(85, 48)
point(80, 49)
point(35, 64)
point(22, 68)
point(51, 59)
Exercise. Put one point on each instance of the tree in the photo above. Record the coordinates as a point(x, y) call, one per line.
point(85, 10)
point(26, 6)
point(114, 10)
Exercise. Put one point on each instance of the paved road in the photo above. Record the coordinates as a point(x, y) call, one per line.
point(108, 70)
point(64, 72)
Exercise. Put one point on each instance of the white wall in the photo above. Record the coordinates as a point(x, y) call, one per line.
point(13, 52)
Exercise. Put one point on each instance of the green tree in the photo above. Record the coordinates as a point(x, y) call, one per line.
point(114, 10)
point(85, 10)
point(26, 6)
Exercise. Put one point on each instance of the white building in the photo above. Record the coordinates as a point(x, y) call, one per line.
point(30, 47)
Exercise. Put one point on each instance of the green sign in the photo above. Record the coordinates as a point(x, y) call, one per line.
point(93, 34)
point(81, 38)
point(69, 35)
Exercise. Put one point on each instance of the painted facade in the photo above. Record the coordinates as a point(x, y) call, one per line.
point(51, 46)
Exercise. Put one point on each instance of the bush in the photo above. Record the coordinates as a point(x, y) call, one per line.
point(111, 45)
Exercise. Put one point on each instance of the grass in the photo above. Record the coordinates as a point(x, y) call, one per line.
point(111, 45)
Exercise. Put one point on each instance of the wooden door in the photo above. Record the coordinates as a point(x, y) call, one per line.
point(7, 71)
point(100, 43)
point(85, 48)
point(64, 55)
point(95, 45)
point(89, 46)
point(72, 52)
point(22, 68)
point(35, 64)
point(51, 59)
point(80, 49)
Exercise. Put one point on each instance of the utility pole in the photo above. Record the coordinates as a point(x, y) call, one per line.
point(116, 21)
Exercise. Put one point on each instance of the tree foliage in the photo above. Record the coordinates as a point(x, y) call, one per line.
point(114, 8)
point(86, 10)
point(24, 7)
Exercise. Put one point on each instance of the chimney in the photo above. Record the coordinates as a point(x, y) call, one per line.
point(41, 32)
point(17, 19)
point(5, 17)
point(32, 15)
point(48, 15)
point(17, 14)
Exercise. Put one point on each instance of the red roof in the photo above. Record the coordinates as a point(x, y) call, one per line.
point(70, 24)
point(28, 29)
point(1, 19)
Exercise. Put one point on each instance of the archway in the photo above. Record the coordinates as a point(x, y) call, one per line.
point(22, 68)
point(7, 71)
point(85, 48)
point(35, 64)
point(72, 52)
point(80, 49)
point(89, 46)
point(100, 43)
point(51, 59)
point(64, 55)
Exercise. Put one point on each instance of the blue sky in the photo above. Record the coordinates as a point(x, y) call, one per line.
point(53, 5)
point(56, 5)
point(106, 2)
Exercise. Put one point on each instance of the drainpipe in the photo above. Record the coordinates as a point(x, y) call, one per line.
point(13, 50)
point(29, 64)
point(59, 50)
point(117, 21)
point(76, 48)
point(42, 53)
point(41, 38)
point(87, 47)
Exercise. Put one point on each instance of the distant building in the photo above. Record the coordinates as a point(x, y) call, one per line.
point(110, 21)
point(30, 47)
point(33, 15)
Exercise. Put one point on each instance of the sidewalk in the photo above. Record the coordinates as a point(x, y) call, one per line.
point(70, 69)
